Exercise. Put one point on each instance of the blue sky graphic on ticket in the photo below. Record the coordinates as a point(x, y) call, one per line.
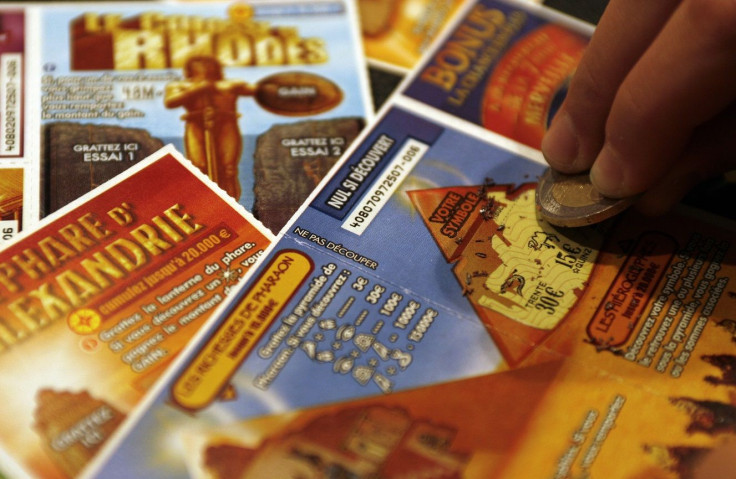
point(334, 314)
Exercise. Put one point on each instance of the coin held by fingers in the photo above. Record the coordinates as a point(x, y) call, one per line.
point(572, 201)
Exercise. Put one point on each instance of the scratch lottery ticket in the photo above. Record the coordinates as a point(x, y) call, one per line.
point(503, 66)
point(263, 97)
point(348, 304)
point(100, 298)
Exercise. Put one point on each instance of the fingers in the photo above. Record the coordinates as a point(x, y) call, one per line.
point(625, 31)
point(685, 78)
point(710, 152)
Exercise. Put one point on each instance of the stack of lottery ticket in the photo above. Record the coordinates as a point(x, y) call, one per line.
point(165, 144)
point(417, 316)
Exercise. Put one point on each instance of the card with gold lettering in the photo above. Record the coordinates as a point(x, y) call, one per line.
point(503, 66)
point(261, 96)
point(99, 299)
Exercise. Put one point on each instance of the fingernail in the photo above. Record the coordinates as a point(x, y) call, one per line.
point(607, 174)
point(560, 144)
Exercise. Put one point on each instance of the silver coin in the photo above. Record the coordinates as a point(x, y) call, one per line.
point(571, 200)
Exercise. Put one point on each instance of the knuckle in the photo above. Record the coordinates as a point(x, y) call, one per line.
point(590, 83)
point(589, 92)
point(635, 127)
point(638, 105)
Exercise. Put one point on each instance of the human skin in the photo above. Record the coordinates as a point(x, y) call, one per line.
point(651, 109)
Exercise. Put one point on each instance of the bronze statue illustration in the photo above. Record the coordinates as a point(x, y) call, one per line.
point(212, 136)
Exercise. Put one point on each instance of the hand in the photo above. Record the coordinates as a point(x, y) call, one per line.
point(652, 106)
